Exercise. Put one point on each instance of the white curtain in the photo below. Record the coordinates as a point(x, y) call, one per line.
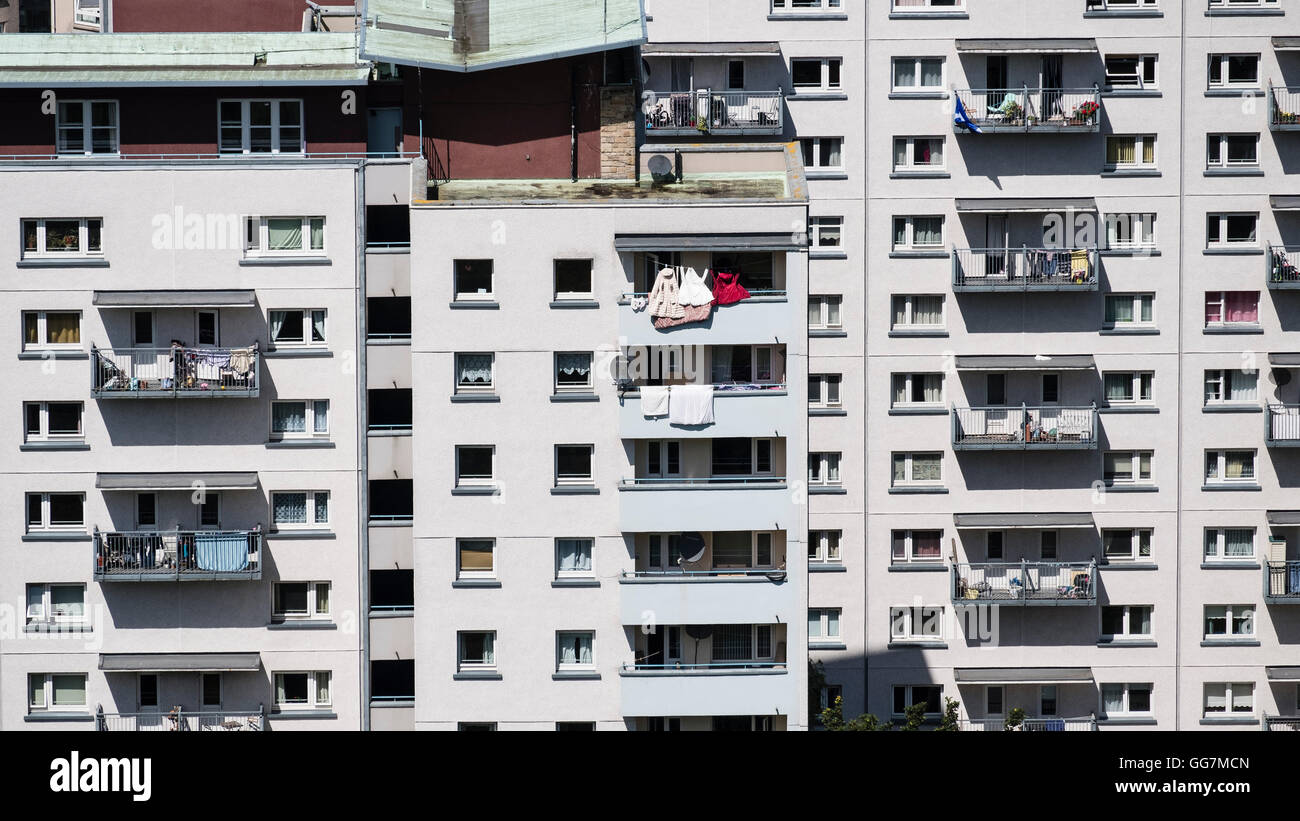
point(573, 364)
point(284, 234)
point(575, 555)
point(474, 368)
point(317, 326)
point(575, 648)
point(289, 417)
point(289, 508)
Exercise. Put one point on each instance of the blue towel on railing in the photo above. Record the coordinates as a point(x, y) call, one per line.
point(1056, 725)
point(221, 552)
point(1293, 579)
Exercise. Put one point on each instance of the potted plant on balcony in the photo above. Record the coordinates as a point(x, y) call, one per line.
point(1015, 721)
point(1084, 113)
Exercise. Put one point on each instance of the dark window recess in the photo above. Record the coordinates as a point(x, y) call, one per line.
point(389, 409)
point(34, 16)
point(388, 225)
point(388, 317)
point(732, 457)
point(473, 277)
point(572, 276)
point(736, 74)
point(619, 65)
point(392, 679)
point(755, 268)
point(392, 589)
point(392, 499)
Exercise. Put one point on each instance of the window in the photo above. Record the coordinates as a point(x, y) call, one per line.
point(823, 625)
point(473, 279)
point(663, 459)
point(743, 549)
point(1232, 151)
point(474, 373)
point(54, 691)
point(1122, 5)
point(298, 328)
point(87, 127)
point(55, 512)
point(261, 126)
point(52, 421)
point(822, 152)
point(1130, 230)
point(1126, 621)
point(300, 419)
point(284, 236)
point(1128, 387)
point(1243, 4)
point(730, 364)
point(916, 546)
point(1126, 544)
point(476, 726)
point(805, 5)
point(302, 689)
point(907, 695)
point(1225, 621)
point(210, 687)
point(474, 465)
point(919, 312)
point(917, 233)
point(735, 75)
point(1125, 151)
point(824, 313)
point(1129, 311)
point(573, 558)
point(572, 279)
point(300, 600)
point(476, 650)
point(815, 74)
point(824, 546)
point(56, 604)
point(918, 153)
point(1047, 545)
point(918, 74)
point(918, 469)
point(89, 14)
point(574, 650)
point(918, 6)
point(573, 465)
point(917, 390)
point(58, 238)
point(1230, 467)
point(1131, 71)
point(302, 510)
point(146, 511)
point(1235, 698)
point(1229, 544)
point(824, 390)
point(1126, 467)
point(475, 558)
point(739, 642)
point(1233, 71)
point(993, 544)
point(1125, 699)
point(1231, 229)
point(824, 469)
point(825, 232)
point(916, 623)
point(1227, 309)
point(573, 373)
point(1228, 386)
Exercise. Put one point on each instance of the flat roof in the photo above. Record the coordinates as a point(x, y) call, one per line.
point(174, 299)
point(720, 187)
point(179, 662)
point(176, 481)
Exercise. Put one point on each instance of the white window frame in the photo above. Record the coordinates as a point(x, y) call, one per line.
point(1127, 631)
point(43, 434)
point(488, 481)
point(257, 237)
point(1220, 545)
point(909, 310)
point(591, 559)
point(1138, 381)
point(572, 296)
point(910, 469)
point(909, 233)
point(1140, 143)
point(825, 546)
point(1136, 230)
point(578, 481)
point(804, 6)
point(1224, 241)
point(1220, 381)
point(1129, 687)
point(1135, 468)
point(663, 448)
point(825, 623)
point(907, 537)
point(819, 229)
point(1231, 690)
point(1218, 143)
point(1244, 4)
point(909, 382)
point(909, 154)
point(315, 427)
point(245, 124)
point(1138, 538)
point(928, 7)
point(47, 692)
point(909, 697)
point(461, 389)
point(313, 601)
point(1139, 79)
point(583, 388)
point(313, 696)
point(825, 390)
point(1216, 464)
point(1248, 613)
point(463, 665)
point(87, 129)
point(824, 302)
point(44, 615)
point(1224, 61)
point(83, 249)
point(308, 327)
point(1121, 5)
point(1140, 301)
point(824, 84)
point(918, 73)
point(89, 14)
point(815, 143)
point(311, 522)
point(560, 636)
point(463, 574)
point(469, 296)
point(1221, 298)
point(45, 526)
point(903, 622)
point(825, 461)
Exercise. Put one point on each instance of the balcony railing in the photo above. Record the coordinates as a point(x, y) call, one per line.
point(679, 113)
point(1046, 110)
point(178, 555)
point(173, 372)
point(1024, 269)
point(674, 482)
point(1282, 582)
point(1030, 725)
point(1284, 108)
point(1282, 426)
point(701, 668)
point(178, 720)
point(1283, 263)
point(1282, 724)
point(1025, 583)
point(1052, 427)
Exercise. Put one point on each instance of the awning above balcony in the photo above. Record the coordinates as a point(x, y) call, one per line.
point(176, 481)
point(1023, 675)
point(1028, 45)
point(1022, 521)
point(1283, 517)
point(1284, 360)
point(1286, 43)
point(1289, 202)
point(1072, 362)
point(1025, 205)
point(711, 49)
point(174, 299)
point(785, 241)
point(1282, 673)
point(180, 662)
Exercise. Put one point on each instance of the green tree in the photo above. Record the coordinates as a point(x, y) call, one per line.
point(949, 723)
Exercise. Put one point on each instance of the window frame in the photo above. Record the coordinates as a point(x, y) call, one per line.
point(464, 665)
point(245, 126)
point(820, 226)
point(1140, 144)
point(477, 295)
point(919, 73)
point(825, 547)
point(43, 433)
point(824, 84)
point(1220, 547)
point(257, 237)
point(470, 574)
point(1140, 81)
point(1231, 615)
point(1135, 469)
point(907, 538)
point(909, 312)
point(313, 701)
point(46, 525)
point(909, 154)
point(1224, 62)
point(826, 384)
point(1127, 698)
point(1218, 477)
point(47, 617)
point(87, 129)
point(826, 303)
point(587, 387)
point(813, 146)
point(590, 572)
point(903, 623)
point(1138, 381)
point(462, 389)
point(1224, 240)
point(1230, 693)
point(825, 461)
point(1139, 302)
point(1219, 143)
point(909, 384)
point(1140, 228)
point(570, 481)
point(313, 611)
point(909, 233)
point(311, 417)
point(909, 479)
point(476, 481)
point(48, 703)
point(1222, 379)
point(1136, 537)
point(560, 636)
point(41, 251)
point(308, 325)
point(311, 511)
point(1220, 298)
point(1127, 620)
point(572, 296)
point(826, 618)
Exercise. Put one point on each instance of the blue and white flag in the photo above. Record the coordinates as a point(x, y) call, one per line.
point(963, 119)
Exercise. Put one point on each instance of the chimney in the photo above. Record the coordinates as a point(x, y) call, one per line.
point(617, 132)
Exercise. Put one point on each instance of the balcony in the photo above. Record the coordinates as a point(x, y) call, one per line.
point(1283, 108)
point(178, 555)
point(1283, 263)
point(174, 373)
point(1024, 269)
point(1025, 583)
point(738, 596)
point(704, 112)
point(1282, 582)
point(1027, 110)
point(740, 410)
point(1052, 427)
point(181, 721)
point(1282, 724)
point(1087, 724)
point(709, 503)
point(766, 315)
point(761, 688)
point(1282, 426)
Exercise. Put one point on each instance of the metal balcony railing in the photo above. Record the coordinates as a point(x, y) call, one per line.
point(676, 113)
point(704, 667)
point(178, 720)
point(172, 372)
point(1024, 109)
point(1024, 269)
point(776, 574)
point(1025, 583)
point(1052, 427)
point(178, 555)
point(1030, 725)
point(1284, 108)
point(1281, 723)
point(673, 482)
point(1282, 582)
point(1283, 269)
point(1282, 425)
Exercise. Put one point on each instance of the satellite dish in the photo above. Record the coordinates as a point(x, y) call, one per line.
point(699, 632)
point(661, 168)
point(1280, 376)
point(692, 547)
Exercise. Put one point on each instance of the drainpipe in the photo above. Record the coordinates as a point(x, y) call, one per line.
point(363, 501)
point(573, 121)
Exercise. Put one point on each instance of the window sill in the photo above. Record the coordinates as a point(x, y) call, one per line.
point(826, 645)
point(481, 490)
point(289, 444)
point(1127, 721)
point(826, 490)
point(479, 305)
point(272, 261)
point(1128, 409)
point(1244, 12)
point(388, 340)
point(1124, 13)
point(1244, 721)
point(903, 491)
point(302, 624)
point(1130, 92)
point(53, 716)
point(57, 627)
point(1245, 251)
point(576, 676)
point(385, 433)
point(918, 95)
point(808, 15)
point(575, 303)
point(1137, 251)
point(917, 643)
point(919, 253)
point(1245, 565)
point(29, 446)
point(1126, 565)
point(817, 95)
point(827, 412)
point(575, 582)
point(936, 411)
point(56, 536)
point(314, 714)
point(409, 522)
point(464, 584)
point(1230, 488)
point(813, 253)
point(825, 174)
point(403, 612)
point(902, 334)
point(575, 490)
point(1244, 91)
point(475, 397)
point(1132, 489)
point(51, 353)
point(922, 15)
point(1129, 332)
point(918, 567)
point(1230, 642)
point(1233, 172)
point(1228, 408)
point(1131, 172)
point(920, 175)
point(826, 567)
point(484, 675)
point(297, 353)
point(300, 534)
point(1243, 331)
point(827, 334)
point(71, 262)
point(574, 397)
point(1122, 642)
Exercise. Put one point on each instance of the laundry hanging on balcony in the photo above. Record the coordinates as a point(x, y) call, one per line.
point(691, 405)
point(654, 401)
point(679, 298)
point(727, 289)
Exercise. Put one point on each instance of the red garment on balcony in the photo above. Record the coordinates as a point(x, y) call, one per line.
point(727, 289)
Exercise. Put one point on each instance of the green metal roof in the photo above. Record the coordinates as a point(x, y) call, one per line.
point(190, 59)
point(472, 35)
